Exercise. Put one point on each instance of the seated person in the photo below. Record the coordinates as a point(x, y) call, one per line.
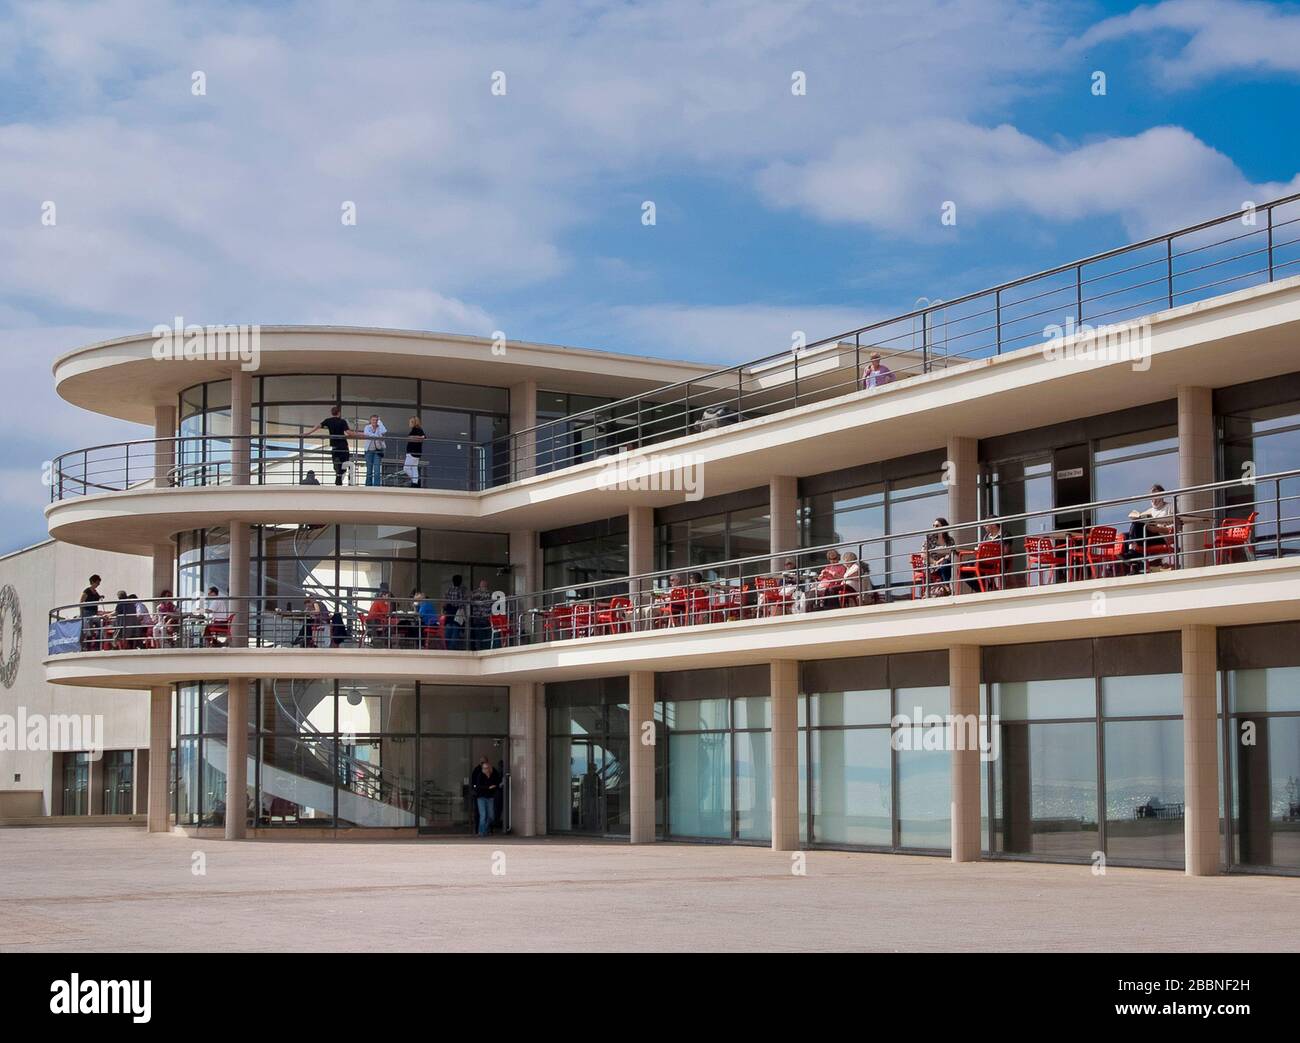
point(379, 619)
point(167, 621)
point(1151, 525)
point(830, 581)
point(939, 549)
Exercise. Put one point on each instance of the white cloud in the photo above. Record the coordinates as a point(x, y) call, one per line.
point(1217, 36)
point(899, 177)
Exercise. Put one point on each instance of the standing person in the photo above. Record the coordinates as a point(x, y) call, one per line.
point(877, 374)
point(123, 620)
point(485, 783)
point(455, 612)
point(339, 430)
point(480, 616)
point(374, 433)
point(90, 621)
point(414, 452)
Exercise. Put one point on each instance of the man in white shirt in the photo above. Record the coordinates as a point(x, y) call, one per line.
point(374, 433)
point(1152, 525)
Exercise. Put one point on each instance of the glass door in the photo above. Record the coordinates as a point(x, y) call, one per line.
point(446, 802)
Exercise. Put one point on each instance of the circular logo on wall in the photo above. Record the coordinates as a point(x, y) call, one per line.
point(11, 635)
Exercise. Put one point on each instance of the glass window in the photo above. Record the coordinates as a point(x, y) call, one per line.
point(301, 388)
point(1265, 691)
point(1144, 790)
point(376, 707)
point(830, 709)
point(465, 396)
point(1046, 789)
point(1143, 695)
point(753, 766)
point(464, 710)
point(851, 786)
point(699, 789)
point(377, 782)
point(297, 781)
point(690, 715)
point(924, 793)
point(1045, 700)
point(395, 391)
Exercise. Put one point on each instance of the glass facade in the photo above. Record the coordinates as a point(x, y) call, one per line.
point(1089, 741)
point(740, 533)
point(466, 425)
point(119, 777)
point(344, 564)
point(587, 757)
point(586, 554)
point(345, 753)
point(76, 784)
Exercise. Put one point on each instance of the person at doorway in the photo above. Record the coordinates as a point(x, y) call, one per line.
point(485, 784)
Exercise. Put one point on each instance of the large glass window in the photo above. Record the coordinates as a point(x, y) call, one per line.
point(76, 784)
point(119, 780)
point(1264, 739)
point(691, 542)
point(588, 785)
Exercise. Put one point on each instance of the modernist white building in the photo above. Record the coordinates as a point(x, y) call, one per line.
point(762, 604)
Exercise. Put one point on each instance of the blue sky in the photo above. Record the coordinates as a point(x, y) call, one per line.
point(522, 212)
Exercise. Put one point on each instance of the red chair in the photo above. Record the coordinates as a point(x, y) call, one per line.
point(677, 606)
point(922, 577)
point(699, 608)
point(431, 636)
point(582, 619)
point(557, 624)
point(502, 631)
point(1161, 546)
point(985, 567)
point(1103, 551)
point(771, 602)
point(1042, 559)
point(615, 618)
point(1231, 536)
point(218, 627)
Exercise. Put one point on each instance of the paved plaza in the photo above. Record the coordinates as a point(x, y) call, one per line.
point(94, 889)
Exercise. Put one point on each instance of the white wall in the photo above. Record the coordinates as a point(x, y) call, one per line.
point(44, 576)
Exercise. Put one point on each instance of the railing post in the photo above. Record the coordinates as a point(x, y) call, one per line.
point(997, 318)
point(857, 360)
point(1169, 268)
point(1078, 295)
point(1270, 244)
point(1277, 518)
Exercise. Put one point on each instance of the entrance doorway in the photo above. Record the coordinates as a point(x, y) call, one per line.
point(446, 764)
point(595, 787)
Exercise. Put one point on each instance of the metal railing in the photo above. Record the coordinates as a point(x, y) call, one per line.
point(191, 461)
point(1213, 524)
point(1203, 260)
point(1218, 523)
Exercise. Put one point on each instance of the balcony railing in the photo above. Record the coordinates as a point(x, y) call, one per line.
point(1231, 252)
point(1204, 525)
point(1203, 260)
point(191, 461)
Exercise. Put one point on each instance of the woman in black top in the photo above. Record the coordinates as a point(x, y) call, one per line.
point(414, 450)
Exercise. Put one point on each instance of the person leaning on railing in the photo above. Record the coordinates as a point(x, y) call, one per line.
point(876, 374)
point(91, 624)
point(339, 431)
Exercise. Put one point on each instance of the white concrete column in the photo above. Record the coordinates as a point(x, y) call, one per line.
point(164, 453)
point(962, 473)
point(525, 564)
point(95, 785)
point(785, 755)
point(643, 736)
point(160, 746)
point(640, 552)
point(163, 568)
point(523, 417)
point(239, 592)
point(526, 737)
point(1196, 466)
point(783, 508)
point(236, 758)
point(241, 425)
point(1201, 841)
point(964, 705)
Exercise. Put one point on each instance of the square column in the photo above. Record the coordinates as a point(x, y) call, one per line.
point(785, 755)
point(95, 785)
point(160, 748)
point(642, 734)
point(236, 758)
point(241, 425)
point(962, 476)
point(239, 592)
point(164, 452)
point(783, 521)
point(163, 568)
point(1196, 466)
point(523, 417)
point(1201, 843)
point(964, 736)
point(526, 737)
point(640, 552)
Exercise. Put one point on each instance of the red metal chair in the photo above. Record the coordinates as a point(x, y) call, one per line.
point(699, 607)
point(582, 619)
point(431, 636)
point(985, 567)
point(1231, 536)
point(771, 602)
point(218, 627)
point(502, 632)
point(557, 624)
point(1104, 550)
point(1042, 559)
point(1159, 547)
point(921, 577)
point(615, 618)
point(677, 597)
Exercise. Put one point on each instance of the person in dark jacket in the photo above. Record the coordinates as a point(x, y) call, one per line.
point(485, 784)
